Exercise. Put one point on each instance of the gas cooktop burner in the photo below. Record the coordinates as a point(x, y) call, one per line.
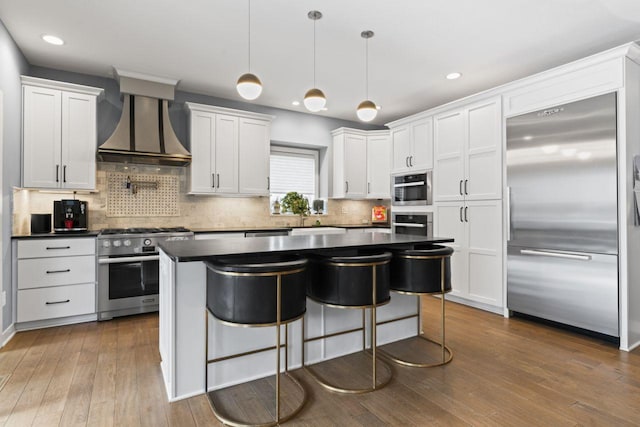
point(108, 231)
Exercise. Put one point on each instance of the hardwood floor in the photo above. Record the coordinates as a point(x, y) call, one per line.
point(504, 372)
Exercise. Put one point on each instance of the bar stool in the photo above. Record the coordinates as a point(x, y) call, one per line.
point(257, 292)
point(350, 280)
point(424, 270)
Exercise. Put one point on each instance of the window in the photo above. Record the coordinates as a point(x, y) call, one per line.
point(294, 169)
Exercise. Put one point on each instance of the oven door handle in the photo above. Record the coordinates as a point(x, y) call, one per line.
point(122, 260)
point(409, 184)
point(408, 224)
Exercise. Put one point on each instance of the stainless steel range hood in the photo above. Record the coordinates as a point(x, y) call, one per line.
point(144, 134)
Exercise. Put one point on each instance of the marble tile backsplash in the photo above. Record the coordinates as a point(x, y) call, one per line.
point(197, 212)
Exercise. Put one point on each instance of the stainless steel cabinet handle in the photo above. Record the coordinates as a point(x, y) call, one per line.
point(408, 224)
point(411, 161)
point(64, 173)
point(368, 188)
point(213, 180)
point(565, 255)
point(460, 188)
point(268, 183)
point(466, 182)
point(466, 217)
point(57, 302)
point(218, 175)
point(58, 271)
point(508, 214)
point(346, 186)
point(406, 161)
point(57, 173)
point(126, 259)
point(58, 247)
point(461, 220)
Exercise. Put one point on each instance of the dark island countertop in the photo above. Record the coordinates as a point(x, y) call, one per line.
point(199, 250)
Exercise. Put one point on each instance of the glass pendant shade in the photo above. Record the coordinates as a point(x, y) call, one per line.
point(249, 86)
point(367, 111)
point(314, 100)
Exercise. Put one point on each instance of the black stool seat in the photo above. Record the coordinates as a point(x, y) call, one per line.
point(419, 270)
point(343, 278)
point(243, 290)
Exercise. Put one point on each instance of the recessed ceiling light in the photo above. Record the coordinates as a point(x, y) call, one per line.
point(296, 103)
point(453, 76)
point(52, 39)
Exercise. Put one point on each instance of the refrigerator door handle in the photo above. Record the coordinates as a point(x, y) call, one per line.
point(565, 255)
point(508, 214)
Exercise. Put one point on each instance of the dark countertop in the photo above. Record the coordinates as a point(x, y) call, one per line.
point(199, 250)
point(92, 233)
point(266, 229)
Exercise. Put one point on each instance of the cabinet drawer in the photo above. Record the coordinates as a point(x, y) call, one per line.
point(43, 272)
point(59, 301)
point(54, 247)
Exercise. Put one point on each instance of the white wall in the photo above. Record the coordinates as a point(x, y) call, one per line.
point(12, 65)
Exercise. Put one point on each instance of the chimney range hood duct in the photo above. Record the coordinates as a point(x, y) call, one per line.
point(144, 134)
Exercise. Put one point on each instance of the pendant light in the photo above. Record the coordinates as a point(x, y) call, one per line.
point(249, 85)
point(367, 109)
point(314, 99)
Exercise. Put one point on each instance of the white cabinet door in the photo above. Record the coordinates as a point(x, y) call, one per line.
point(450, 139)
point(253, 151)
point(469, 153)
point(42, 137)
point(355, 166)
point(226, 154)
point(79, 137)
point(476, 264)
point(203, 127)
point(421, 156)
point(401, 148)
point(484, 152)
point(484, 241)
point(378, 167)
point(449, 222)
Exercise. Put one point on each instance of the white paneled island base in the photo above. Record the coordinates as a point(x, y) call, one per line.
point(183, 314)
point(182, 334)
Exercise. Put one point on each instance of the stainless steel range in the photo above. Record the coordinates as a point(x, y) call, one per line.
point(128, 269)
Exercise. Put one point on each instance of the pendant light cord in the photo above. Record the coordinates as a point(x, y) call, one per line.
point(249, 38)
point(314, 53)
point(366, 69)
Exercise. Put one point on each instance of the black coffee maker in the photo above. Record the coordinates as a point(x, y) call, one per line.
point(69, 216)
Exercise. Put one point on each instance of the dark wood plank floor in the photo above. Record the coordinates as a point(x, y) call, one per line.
point(505, 372)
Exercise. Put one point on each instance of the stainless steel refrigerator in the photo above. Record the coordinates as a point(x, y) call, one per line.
point(562, 241)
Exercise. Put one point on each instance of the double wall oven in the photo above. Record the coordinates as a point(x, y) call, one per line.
point(412, 223)
point(128, 269)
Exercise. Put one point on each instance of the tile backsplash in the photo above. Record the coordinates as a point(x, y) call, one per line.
point(115, 206)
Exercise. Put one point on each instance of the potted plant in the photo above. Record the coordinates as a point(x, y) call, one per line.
point(295, 203)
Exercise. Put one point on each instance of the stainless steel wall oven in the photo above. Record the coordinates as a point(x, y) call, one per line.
point(412, 189)
point(413, 223)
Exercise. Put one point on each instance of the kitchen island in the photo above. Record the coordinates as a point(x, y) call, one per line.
point(183, 308)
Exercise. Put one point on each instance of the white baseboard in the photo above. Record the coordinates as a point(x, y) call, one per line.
point(7, 335)
point(50, 323)
point(631, 347)
point(475, 304)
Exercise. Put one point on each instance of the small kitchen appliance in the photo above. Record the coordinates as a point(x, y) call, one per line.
point(40, 223)
point(69, 216)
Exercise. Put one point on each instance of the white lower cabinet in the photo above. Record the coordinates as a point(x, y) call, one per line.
point(55, 278)
point(57, 301)
point(476, 265)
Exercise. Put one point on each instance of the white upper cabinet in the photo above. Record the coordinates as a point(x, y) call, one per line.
point(468, 153)
point(360, 164)
point(378, 165)
point(59, 135)
point(230, 151)
point(412, 146)
point(254, 151)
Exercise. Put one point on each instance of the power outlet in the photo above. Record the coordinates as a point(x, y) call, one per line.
point(4, 298)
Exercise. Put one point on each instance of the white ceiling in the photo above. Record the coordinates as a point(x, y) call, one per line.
point(203, 43)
